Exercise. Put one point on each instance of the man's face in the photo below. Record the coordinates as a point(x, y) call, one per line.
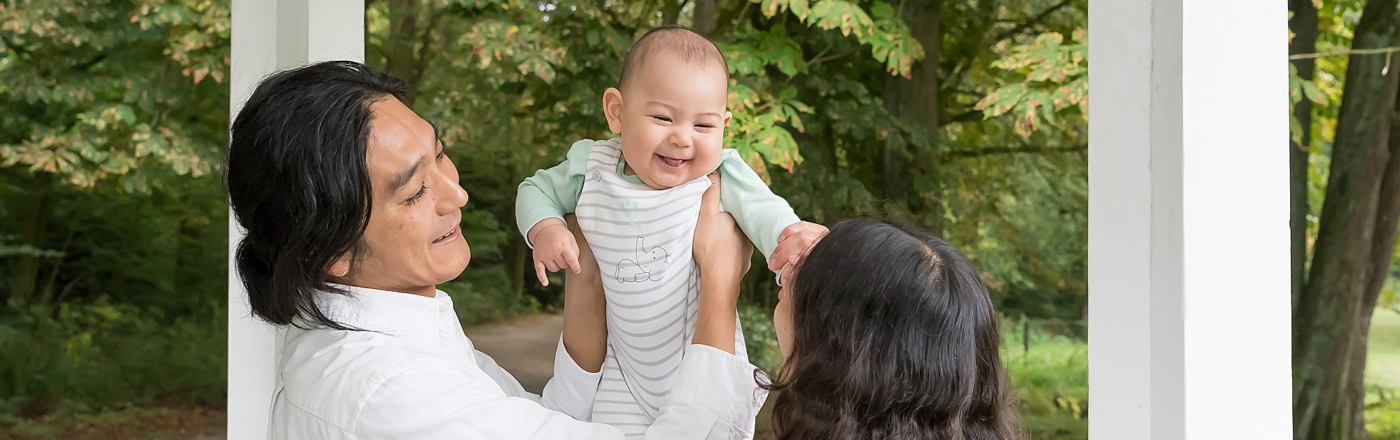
point(414, 239)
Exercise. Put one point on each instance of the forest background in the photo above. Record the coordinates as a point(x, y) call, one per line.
point(965, 117)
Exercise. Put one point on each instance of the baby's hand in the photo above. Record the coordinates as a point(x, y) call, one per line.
point(555, 248)
point(794, 240)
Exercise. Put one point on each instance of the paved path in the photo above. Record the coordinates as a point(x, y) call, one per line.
point(523, 346)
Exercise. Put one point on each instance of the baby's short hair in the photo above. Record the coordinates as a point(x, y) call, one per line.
point(690, 46)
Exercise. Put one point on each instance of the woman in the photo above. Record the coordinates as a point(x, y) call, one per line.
point(888, 333)
point(352, 214)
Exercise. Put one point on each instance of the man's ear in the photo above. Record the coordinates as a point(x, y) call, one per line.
point(612, 109)
point(340, 267)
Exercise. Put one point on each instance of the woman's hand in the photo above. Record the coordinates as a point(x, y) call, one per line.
point(585, 326)
point(723, 254)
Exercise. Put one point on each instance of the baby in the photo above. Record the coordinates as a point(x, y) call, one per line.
point(637, 198)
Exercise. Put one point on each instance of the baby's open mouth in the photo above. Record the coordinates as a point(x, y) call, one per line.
point(671, 161)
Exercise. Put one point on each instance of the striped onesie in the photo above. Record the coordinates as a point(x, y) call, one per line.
point(642, 239)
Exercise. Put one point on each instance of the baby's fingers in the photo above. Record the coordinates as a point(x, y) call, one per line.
point(571, 257)
point(539, 272)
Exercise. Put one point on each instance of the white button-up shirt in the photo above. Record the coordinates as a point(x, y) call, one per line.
point(413, 374)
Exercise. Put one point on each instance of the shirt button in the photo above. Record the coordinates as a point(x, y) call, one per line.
point(444, 308)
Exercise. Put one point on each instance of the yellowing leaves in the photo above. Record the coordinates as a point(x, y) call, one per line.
point(115, 79)
point(531, 52)
point(843, 15)
point(1048, 77)
point(756, 129)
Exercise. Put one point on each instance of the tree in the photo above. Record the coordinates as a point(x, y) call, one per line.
point(1356, 235)
point(1303, 24)
point(99, 95)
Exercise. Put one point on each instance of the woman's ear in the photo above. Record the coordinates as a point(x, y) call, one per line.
point(340, 267)
point(612, 109)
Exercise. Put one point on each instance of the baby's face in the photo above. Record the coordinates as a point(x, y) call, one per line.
point(672, 121)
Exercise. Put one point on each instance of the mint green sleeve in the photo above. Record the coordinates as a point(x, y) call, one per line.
point(760, 213)
point(553, 192)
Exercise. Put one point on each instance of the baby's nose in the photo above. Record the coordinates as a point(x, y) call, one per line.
point(680, 139)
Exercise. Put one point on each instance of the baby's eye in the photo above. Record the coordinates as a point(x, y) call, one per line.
point(665, 119)
point(705, 126)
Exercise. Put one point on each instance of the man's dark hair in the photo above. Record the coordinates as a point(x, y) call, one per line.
point(299, 185)
point(691, 47)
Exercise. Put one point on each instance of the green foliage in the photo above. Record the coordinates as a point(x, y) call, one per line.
point(1054, 77)
point(113, 116)
point(1051, 378)
point(760, 338)
point(84, 357)
point(99, 90)
point(1383, 412)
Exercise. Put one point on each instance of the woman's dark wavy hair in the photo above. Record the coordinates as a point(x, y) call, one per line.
point(299, 185)
point(895, 337)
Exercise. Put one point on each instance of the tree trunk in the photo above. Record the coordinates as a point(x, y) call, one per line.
point(35, 210)
point(706, 14)
point(1304, 26)
point(400, 58)
point(670, 11)
point(1333, 315)
point(917, 100)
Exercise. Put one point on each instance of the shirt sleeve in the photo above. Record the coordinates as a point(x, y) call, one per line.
point(552, 192)
point(436, 403)
point(571, 390)
point(761, 214)
point(715, 397)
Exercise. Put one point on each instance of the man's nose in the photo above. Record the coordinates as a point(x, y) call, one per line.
point(454, 198)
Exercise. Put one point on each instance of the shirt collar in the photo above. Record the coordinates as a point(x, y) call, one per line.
point(398, 314)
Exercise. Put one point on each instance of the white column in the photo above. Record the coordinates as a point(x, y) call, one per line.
point(1188, 220)
point(269, 35)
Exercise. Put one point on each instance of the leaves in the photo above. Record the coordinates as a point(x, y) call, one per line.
point(1048, 78)
point(100, 91)
point(887, 34)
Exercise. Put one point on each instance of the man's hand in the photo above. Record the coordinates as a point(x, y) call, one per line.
point(555, 248)
point(719, 243)
point(794, 240)
point(723, 254)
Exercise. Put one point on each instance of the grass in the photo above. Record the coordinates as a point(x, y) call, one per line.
point(1383, 376)
point(1051, 379)
point(1383, 349)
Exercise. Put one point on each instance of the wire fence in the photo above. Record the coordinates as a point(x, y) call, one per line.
point(1023, 333)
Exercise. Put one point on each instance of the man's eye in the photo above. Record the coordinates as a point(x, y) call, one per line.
point(418, 195)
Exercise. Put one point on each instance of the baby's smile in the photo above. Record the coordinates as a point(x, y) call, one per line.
point(671, 161)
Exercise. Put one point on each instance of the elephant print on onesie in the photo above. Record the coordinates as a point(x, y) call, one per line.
point(649, 265)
